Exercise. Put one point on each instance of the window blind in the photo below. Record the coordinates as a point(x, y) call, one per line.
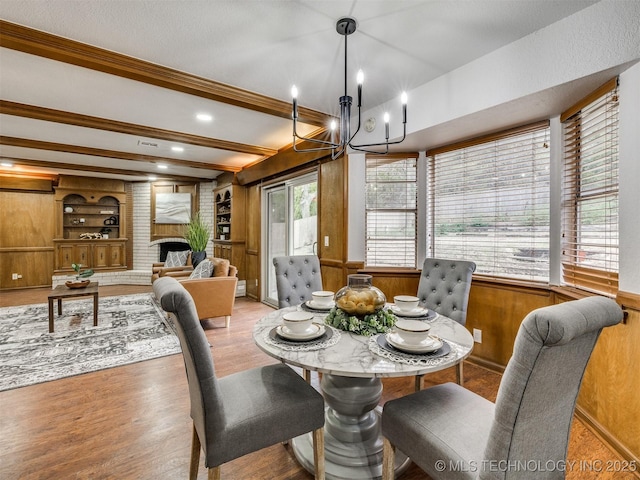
point(590, 192)
point(391, 210)
point(489, 203)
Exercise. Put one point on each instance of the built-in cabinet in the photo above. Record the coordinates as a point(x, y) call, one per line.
point(230, 225)
point(90, 224)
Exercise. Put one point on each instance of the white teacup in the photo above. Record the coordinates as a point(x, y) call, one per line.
point(298, 321)
point(412, 331)
point(322, 298)
point(406, 303)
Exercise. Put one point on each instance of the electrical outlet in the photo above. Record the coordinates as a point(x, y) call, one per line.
point(326, 240)
point(14, 276)
point(477, 335)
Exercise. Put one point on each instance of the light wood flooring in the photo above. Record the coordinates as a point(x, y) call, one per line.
point(132, 422)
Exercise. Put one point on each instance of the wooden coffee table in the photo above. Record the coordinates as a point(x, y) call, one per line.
point(62, 291)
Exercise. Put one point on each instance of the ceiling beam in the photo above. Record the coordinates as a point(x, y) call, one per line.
point(286, 159)
point(99, 152)
point(36, 42)
point(79, 120)
point(86, 168)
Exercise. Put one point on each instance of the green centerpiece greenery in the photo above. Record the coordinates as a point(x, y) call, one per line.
point(372, 324)
point(197, 233)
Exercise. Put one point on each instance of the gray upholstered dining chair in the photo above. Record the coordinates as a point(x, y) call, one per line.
point(452, 433)
point(297, 276)
point(444, 287)
point(243, 412)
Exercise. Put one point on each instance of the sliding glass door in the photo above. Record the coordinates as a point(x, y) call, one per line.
point(290, 225)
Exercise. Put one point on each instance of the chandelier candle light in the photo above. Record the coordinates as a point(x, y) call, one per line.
point(346, 26)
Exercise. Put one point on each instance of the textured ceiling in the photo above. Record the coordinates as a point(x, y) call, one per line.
point(262, 46)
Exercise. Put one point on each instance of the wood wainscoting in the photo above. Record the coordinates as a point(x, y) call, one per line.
point(26, 239)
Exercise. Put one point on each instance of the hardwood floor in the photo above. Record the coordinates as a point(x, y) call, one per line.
point(132, 422)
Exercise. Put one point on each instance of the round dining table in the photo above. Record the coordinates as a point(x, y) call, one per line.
point(352, 368)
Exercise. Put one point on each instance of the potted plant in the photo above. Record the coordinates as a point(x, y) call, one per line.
point(197, 233)
point(82, 276)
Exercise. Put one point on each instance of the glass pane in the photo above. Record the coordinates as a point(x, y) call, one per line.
point(305, 219)
point(277, 235)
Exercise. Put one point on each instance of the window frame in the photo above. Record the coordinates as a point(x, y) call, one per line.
point(370, 243)
point(493, 265)
point(583, 130)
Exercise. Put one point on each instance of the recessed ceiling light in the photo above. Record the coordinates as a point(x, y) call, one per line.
point(204, 117)
point(175, 148)
point(162, 166)
point(6, 164)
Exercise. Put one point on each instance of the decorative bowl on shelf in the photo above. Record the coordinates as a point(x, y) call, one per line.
point(77, 283)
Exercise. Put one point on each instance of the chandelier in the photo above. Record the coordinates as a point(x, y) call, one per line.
point(339, 141)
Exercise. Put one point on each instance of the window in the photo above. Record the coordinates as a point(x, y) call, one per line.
point(590, 192)
point(391, 206)
point(489, 203)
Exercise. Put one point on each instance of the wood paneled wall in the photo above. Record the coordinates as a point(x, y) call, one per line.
point(609, 399)
point(333, 207)
point(252, 260)
point(26, 238)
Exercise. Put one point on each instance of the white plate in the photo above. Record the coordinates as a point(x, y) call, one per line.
point(431, 344)
point(416, 312)
point(312, 305)
point(316, 330)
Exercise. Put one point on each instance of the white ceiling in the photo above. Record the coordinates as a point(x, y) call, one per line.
point(262, 46)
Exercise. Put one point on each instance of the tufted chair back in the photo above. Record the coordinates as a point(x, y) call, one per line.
point(297, 276)
point(444, 287)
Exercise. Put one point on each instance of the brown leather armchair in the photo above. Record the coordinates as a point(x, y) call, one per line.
point(214, 296)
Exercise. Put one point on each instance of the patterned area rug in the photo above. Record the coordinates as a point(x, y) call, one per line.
point(131, 328)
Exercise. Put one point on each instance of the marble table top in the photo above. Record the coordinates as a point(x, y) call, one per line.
point(351, 355)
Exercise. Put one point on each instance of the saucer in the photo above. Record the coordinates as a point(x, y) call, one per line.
point(312, 305)
point(416, 312)
point(430, 344)
point(316, 330)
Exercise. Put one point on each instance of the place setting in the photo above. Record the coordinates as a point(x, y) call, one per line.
point(321, 301)
point(408, 306)
point(303, 331)
point(410, 341)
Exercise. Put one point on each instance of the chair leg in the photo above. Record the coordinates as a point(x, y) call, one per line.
point(195, 455)
point(460, 374)
point(214, 473)
point(227, 321)
point(388, 459)
point(318, 453)
point(306, 374)
point(418, 385)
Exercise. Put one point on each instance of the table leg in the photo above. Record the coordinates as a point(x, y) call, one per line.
point(95, 310)
point(59, 306)
point(353, 440)
point(51, 315)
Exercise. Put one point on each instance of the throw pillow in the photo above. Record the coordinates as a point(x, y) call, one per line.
point(176, 259)
point(220, 267)
point(203, 270)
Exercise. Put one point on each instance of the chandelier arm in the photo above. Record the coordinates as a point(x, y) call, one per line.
point(357, 129)
point(387, 143)
point(359, 148)
point(316, 149)
point(308, 139)
point(316, 140)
